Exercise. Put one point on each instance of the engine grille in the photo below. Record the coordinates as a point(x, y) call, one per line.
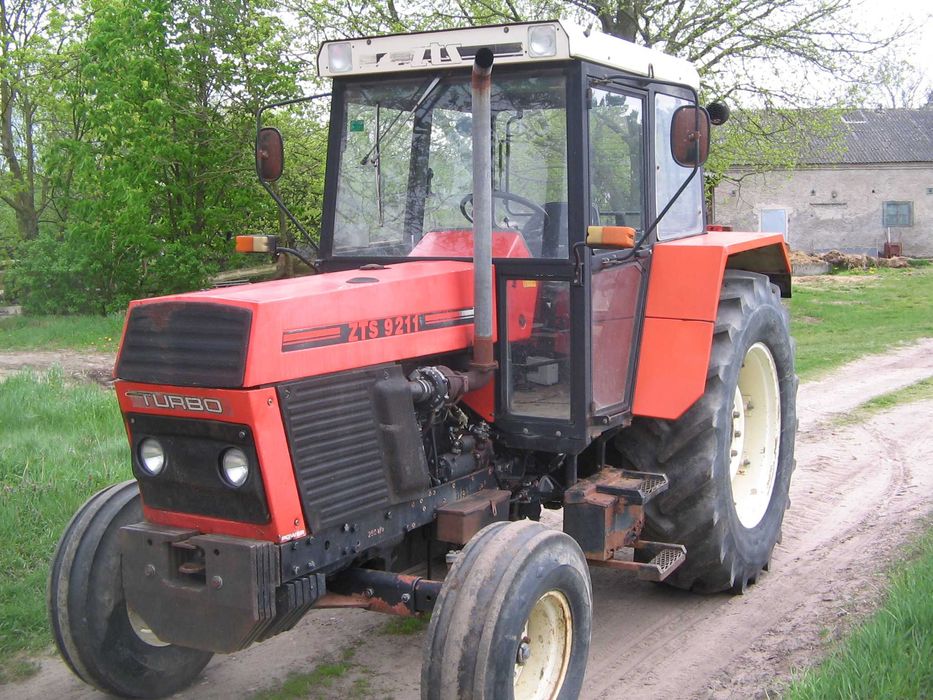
point(333, 435)
point(186, 344)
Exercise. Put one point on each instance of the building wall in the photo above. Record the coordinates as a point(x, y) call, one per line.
point(834, 207)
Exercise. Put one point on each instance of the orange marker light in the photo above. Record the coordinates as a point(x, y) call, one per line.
point(255, 244)
point(610, 236)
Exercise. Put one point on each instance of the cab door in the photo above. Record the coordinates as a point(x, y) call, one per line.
point(618, 195)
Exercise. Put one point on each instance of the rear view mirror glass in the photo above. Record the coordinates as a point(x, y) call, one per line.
point(690, 136)
point(270, 154)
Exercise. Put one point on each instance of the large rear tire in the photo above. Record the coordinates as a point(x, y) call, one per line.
point(513, 619)
point(729, 458)
point(103, 642)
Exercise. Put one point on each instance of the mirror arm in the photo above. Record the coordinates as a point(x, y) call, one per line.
point(266, 186)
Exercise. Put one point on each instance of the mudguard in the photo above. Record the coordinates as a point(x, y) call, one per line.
point(683, 297)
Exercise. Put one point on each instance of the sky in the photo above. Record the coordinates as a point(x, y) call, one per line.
point(918, 48)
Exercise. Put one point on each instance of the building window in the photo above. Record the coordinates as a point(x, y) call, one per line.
point(897, 214)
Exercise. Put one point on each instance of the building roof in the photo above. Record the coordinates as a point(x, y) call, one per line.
point(873, 136)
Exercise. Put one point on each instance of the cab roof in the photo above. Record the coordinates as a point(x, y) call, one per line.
point(524, 43)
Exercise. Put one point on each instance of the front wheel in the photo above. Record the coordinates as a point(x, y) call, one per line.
point(104, 642)
point(513, 619)
point(729, 458)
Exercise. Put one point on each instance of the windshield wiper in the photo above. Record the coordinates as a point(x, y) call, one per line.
point(373, 155)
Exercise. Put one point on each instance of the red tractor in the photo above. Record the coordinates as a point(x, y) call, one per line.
point(518, 306)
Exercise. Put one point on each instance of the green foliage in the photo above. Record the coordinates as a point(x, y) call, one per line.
point(837, 318)
point(163, 165)
point(97, 333)
point(59, 445)
point(890, 655)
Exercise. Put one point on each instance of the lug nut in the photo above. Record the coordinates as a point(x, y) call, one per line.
point(524, 652)
point(149, 570)
point(216, 582)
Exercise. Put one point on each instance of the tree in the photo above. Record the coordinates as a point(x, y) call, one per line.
point(163, 167)
point(33, 39)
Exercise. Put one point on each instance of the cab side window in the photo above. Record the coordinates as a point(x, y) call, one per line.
point(617, 159)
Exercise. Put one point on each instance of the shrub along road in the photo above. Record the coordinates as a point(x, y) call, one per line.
point(858, 494)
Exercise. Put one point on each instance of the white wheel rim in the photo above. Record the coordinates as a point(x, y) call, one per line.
point(544, 649)
point(756, 432)
point(143, 631)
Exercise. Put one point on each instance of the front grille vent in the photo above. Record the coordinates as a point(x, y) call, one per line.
point(334, 439)
point(186, 344)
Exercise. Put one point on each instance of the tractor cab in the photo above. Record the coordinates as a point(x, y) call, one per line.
point(581, 166)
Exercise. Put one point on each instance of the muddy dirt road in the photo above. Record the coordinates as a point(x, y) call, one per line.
point(858, 493)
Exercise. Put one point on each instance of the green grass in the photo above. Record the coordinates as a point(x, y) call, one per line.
point(919, 391)
point(59, 443)
point(323, 676)
point(99, 333)
point(405, 626)
point(302, 685)
point(891, 654)
point(838, 318)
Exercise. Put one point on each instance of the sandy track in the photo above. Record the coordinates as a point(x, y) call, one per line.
point(858, 493)
point(93, 366)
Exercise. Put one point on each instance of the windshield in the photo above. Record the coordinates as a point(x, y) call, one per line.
point(405, 166)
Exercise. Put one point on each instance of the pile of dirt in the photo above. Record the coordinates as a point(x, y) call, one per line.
point(798, 257)
point(846, 261)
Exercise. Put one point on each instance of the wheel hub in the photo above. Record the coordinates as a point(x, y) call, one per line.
point(143, 631)
point(543, 655)
point(756, 431)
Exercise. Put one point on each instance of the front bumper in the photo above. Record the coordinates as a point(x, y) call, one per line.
point(210, 592)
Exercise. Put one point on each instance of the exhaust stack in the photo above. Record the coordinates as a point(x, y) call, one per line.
point(482, 214)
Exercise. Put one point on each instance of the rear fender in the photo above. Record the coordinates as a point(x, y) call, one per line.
point(680, 312)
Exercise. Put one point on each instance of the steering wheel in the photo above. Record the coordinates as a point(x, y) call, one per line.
point(508, 197)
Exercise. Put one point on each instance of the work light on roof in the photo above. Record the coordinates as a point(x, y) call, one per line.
point(542, 40)
point(340, 57)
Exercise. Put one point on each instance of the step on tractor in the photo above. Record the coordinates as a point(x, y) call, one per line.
point(517, 305)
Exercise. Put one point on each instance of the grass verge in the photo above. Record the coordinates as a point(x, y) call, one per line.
point(838, 318)
point(890, 655)
point(59, 444)
point(919, 391)
point(98, 333)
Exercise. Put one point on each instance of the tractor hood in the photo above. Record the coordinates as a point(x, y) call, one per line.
point(260, 334)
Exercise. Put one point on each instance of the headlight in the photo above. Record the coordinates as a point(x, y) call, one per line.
point(542, 40)
point(339, 57)
point(234, 466)
point(151, 456)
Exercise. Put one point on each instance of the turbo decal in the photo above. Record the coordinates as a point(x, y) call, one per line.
point(178, 402)
point(370, 329)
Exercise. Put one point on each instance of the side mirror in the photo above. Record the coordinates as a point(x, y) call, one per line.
point(270, 154)
point(690, 136)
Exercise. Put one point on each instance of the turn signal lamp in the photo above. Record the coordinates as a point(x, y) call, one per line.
point(255, 244)
point(542, 40)
point(339, 57)
point(610, 236)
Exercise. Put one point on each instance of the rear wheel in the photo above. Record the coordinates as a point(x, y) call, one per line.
point(106, 644)
point(513, 618)
point(729, 458)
